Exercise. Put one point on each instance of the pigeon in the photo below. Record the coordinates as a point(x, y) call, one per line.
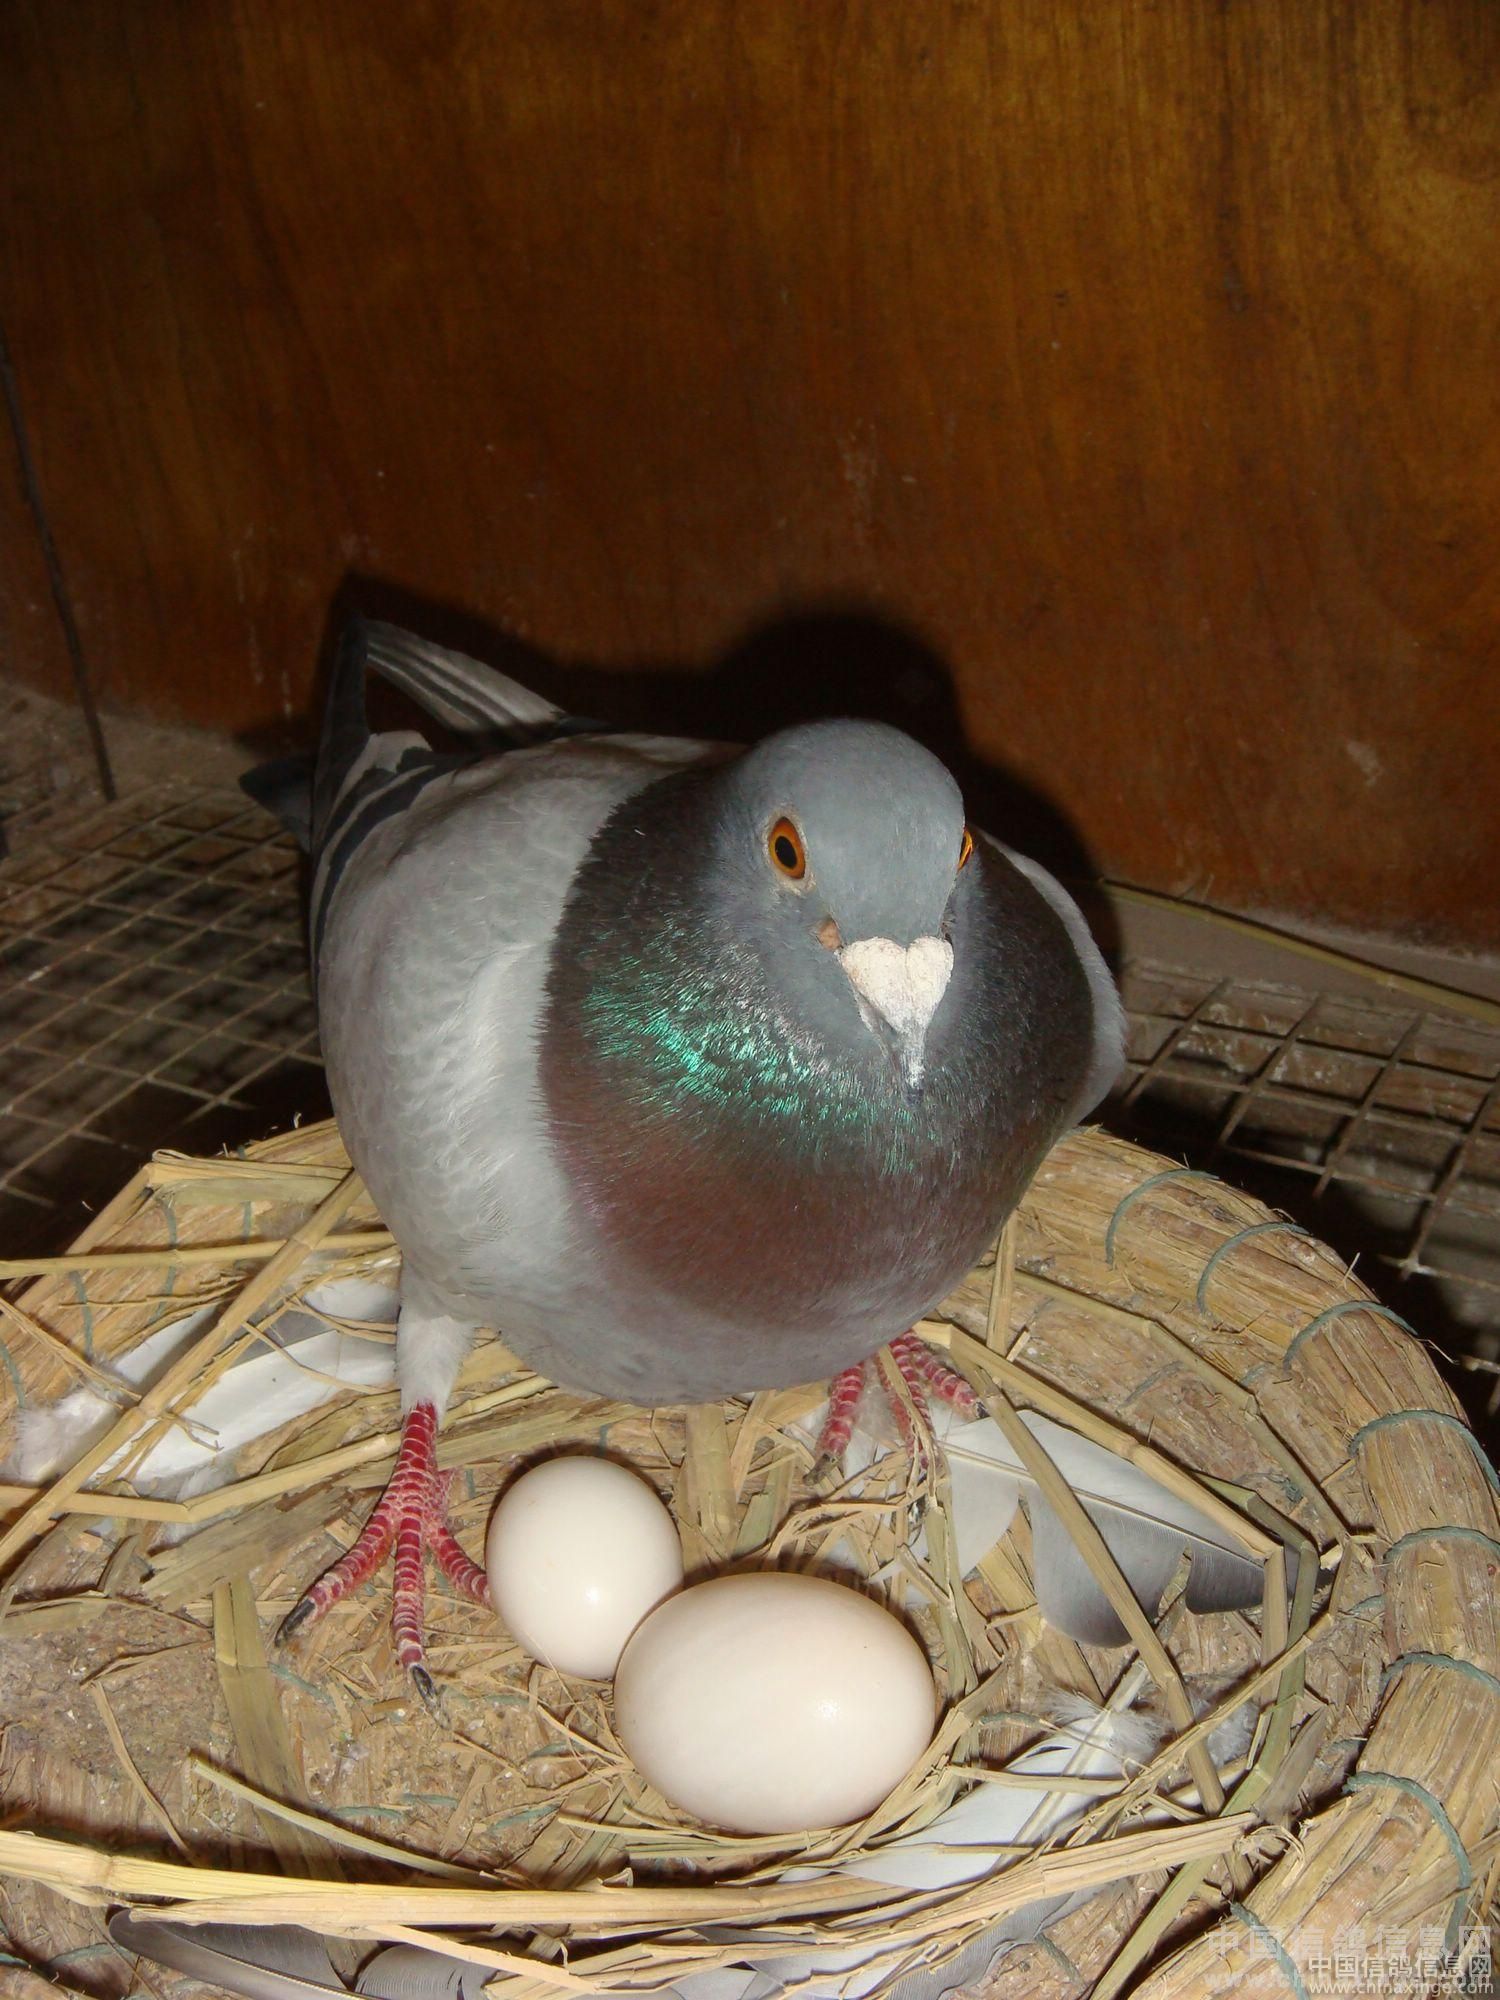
point(693, 1070)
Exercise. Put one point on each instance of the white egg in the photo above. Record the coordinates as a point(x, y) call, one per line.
point(769, 1703)
point(579, 1550)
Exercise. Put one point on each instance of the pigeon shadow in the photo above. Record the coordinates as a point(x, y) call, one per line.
point(831, 658)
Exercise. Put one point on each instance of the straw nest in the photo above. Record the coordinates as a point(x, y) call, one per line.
point(157, 1752)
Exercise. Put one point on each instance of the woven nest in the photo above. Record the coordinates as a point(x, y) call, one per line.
point(158, 1752)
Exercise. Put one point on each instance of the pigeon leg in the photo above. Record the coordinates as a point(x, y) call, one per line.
point(467, 1578)
point(926, 1376)
point(844, 1392)
point(412, 1514)
point(930, 1375)
point(408, 1593)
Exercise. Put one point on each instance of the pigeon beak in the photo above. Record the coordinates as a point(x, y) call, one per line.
point(898, 990)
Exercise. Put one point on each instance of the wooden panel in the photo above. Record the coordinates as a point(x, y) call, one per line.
point(31, 639)
point(1145, 360)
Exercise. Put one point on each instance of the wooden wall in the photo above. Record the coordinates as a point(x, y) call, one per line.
point(1142, 360)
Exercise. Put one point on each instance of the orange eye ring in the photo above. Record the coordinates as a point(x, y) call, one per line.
point(966, 848)
point(788, 855)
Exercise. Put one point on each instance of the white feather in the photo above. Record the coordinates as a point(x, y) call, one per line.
point(298, 1365)
point(411, 1972)
point(1146, 1527)
point(259, 1962)
point(1132, 1736)
point(48, 1436)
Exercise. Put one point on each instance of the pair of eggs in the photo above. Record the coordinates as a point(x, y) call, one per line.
point(761, 1703)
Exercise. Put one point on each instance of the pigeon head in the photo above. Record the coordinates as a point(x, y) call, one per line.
point(838, 852)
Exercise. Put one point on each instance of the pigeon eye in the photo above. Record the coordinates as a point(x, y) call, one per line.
point(966, 848)
point(784, 845)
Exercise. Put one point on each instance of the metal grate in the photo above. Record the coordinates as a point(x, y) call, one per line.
point(153, 992)
point(1376, 1125)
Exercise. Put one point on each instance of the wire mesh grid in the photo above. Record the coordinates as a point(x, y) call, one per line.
point(1377, 1125)
point(154, 991)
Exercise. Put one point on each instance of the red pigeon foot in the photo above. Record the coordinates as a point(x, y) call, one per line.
point(926, 1375)
point(411, 1515)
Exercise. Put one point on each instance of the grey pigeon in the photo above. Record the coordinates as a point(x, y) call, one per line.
point(692, 1070)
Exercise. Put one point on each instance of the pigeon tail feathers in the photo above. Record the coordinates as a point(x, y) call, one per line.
point(364, 779)
point(284, 786)
point(463, 694)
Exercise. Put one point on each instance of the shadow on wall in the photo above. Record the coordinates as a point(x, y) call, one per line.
point(840, 658)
